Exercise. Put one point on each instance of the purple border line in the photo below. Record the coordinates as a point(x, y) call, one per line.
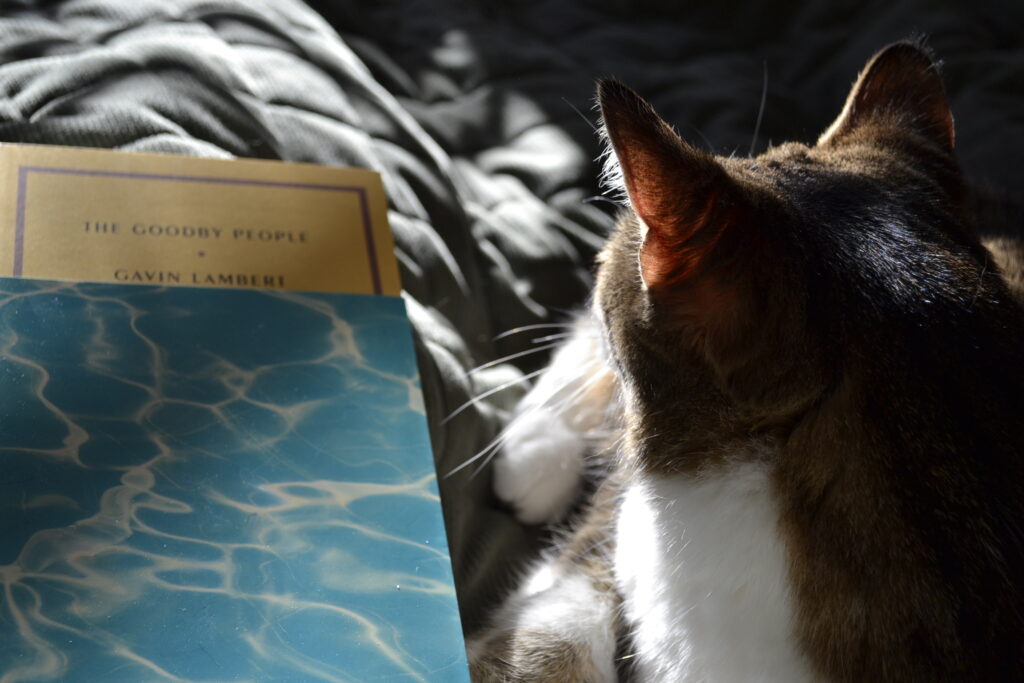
point(23, 173)
point(19, 224)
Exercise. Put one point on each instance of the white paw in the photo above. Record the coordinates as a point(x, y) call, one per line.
point(540, 468)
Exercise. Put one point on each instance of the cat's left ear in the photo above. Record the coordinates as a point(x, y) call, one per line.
point(685, 200)
point(899, 86)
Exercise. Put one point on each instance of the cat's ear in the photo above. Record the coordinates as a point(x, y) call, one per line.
point(899, 86)
point(684, 199)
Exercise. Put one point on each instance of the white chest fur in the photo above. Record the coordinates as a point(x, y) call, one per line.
point(702, 570)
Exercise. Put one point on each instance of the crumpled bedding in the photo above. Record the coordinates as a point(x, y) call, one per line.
point(478, 115)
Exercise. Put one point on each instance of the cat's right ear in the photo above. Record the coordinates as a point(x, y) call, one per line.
point(684, 199)
point(900, 86)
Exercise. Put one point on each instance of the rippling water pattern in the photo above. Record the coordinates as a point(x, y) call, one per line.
point(214, 485)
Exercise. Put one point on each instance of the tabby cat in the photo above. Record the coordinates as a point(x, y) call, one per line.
point(815, 372)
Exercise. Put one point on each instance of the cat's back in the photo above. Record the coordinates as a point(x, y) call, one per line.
point(902, 493)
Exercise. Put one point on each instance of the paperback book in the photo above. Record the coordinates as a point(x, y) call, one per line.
point(214, 458)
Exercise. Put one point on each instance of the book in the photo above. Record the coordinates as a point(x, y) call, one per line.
point(214, 457)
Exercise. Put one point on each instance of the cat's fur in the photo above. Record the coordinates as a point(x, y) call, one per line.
point(818, 379)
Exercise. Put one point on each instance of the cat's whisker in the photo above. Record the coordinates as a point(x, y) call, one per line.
point(492, 449)
point(707, 143)
point(977, 290)
point(524, 328)
point(561, 335)
point(494, 444)
point(569, 401)
point(484, 464)
point(590, 123)
point(490, 392)
point(576, 393)
point(498, 361)
point(549, 401)
point(760, 110)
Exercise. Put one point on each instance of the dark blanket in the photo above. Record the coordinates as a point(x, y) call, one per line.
point(478, 115)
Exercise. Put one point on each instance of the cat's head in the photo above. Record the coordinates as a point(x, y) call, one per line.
point(738, 292)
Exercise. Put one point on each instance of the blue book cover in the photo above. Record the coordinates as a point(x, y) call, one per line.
point(213, 484)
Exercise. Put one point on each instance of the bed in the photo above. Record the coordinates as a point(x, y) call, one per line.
point(479, 117)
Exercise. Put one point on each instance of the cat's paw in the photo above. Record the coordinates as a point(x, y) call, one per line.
point(540, 469)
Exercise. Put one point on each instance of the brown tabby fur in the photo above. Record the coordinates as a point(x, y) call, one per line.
point(834, 302)
point(530, 655)
point(1008, 255)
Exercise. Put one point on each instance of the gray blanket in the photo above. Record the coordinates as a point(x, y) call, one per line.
point(479, 117)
